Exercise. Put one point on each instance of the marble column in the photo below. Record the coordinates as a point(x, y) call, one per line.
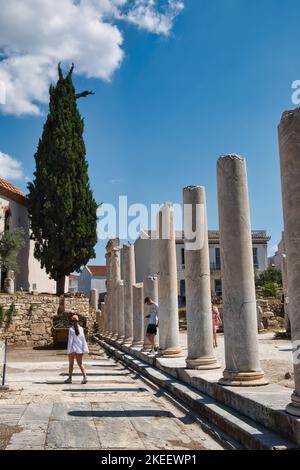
point(239, 297)
point(115, 279)
point(129, 280)
point(197, 281)
point(121, 319)
point(285, 286)
point(167, 284)
point(100, 318)
point(104, 315)
point(138, 316)
point(289, 144)
point(109, 290)
point(94, 299)
point(150, 290)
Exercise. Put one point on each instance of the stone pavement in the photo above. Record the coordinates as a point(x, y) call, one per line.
point(114, 410)
point(275, 357)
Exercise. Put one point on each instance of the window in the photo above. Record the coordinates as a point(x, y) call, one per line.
point(218, 286)
point(182, 257)
point(7, 220)
point(255, 258)
point(182, 299)
point(218, 258)
point(182, 288)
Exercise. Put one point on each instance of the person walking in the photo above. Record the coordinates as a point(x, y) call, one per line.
point(77, 346)
point(152, 323)
point(216, 320)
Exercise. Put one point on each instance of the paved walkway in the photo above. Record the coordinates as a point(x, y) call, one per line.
point(114, 410)
point(275, 357)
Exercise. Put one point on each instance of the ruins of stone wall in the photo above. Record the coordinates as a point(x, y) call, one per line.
point(31, 322)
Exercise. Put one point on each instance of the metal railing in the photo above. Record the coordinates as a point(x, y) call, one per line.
point(3, 360)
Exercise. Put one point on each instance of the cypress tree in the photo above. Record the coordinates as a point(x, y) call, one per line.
point(62, 209)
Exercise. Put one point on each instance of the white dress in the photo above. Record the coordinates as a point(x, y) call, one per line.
point(77, 344)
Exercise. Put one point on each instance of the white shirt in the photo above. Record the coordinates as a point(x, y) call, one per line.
point(154, 313)
point(77, 344)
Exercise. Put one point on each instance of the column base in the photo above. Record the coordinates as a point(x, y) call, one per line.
point(243, 379)
point(127, 342)
point(205, 363)
point(170, 352)
point(137, 345)
point(120, 339)
point(294, 407)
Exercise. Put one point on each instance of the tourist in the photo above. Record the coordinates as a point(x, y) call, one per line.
point(77, 346)
point(153, 322)
point(216, 320)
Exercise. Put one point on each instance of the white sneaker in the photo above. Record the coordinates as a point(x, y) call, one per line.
point(84, 380)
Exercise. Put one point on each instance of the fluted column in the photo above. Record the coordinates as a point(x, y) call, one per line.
point(167, 284)
point(138, 316)
point(150, 290)
point(239, 298)
point(289, 144)
point(129, 279)
point(104, 315)
point(109, 294)
point(197, 280)
point(115, 279)
point(121, 319)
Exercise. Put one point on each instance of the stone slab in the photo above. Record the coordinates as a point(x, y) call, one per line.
point(69, 434)
point(250, 417)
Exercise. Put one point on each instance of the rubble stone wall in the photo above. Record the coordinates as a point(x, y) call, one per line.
point(27, 318)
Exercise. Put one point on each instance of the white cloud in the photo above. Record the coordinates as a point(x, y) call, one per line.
point(10, 168)
point(145, 15)
point(116, 180)
point(37, 34)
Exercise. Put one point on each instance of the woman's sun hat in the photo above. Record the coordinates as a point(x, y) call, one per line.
point(75, 318)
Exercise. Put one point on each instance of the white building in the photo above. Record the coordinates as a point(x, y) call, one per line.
point(73, 283)
point(92, 277)
point(146, 263)
point(276, 260)
point(13, 214)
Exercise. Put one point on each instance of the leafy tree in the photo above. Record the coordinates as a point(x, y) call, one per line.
point(62, 209)
point(270, 275)
point(11, 242)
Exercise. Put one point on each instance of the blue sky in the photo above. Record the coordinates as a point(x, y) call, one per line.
point(217, 83)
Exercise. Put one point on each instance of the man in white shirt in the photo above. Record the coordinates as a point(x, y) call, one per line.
point(152, 323)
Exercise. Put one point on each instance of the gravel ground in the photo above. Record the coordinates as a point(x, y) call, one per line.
point(6, 433)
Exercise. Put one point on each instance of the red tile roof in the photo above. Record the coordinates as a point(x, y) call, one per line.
point(11, 191)
point(73, 277)
point(97, 270)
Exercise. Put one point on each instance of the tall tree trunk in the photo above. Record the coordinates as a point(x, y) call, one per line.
point(60, 285)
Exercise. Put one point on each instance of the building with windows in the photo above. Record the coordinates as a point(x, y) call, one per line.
point(146, 263)
point(14, 214)
point(260, 241)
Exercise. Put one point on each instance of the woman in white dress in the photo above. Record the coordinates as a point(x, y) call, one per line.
point(77, 346)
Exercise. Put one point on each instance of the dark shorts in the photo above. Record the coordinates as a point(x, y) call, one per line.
point(152, 329)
